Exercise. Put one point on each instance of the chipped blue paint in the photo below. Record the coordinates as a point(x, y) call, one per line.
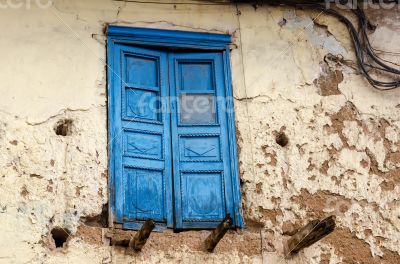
point(170, 161)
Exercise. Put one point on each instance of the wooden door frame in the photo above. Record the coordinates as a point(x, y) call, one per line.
point(159, 38)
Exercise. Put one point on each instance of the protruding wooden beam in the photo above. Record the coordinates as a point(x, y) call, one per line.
point(308, 235)
point(218, 233)
point(137, 242)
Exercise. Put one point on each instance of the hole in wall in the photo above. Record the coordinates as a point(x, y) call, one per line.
point(60, 236)
point(63, 127)
point(343, 2)
point(282, 139)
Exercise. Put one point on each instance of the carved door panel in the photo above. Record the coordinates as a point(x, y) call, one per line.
point(201, 166)
point(142, 137)
point(169, 135)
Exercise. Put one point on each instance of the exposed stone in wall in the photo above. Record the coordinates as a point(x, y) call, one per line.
point(337, 159)
point(341, 153)
point(328, 82)
point(355, 250)
point(45, 169)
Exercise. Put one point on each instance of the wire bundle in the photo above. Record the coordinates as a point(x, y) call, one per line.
point(367, 58)
point(380, 64)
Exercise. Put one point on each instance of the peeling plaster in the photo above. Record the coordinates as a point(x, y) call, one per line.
point(342, 155)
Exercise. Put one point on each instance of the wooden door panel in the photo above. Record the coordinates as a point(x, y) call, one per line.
point(199, 139)
point(142, 142)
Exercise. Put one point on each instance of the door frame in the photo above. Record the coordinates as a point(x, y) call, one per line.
point(158, 38)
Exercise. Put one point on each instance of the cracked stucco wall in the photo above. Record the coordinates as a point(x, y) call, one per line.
point(343, 155)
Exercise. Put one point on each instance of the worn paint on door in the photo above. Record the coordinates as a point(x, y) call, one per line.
point(170, 155)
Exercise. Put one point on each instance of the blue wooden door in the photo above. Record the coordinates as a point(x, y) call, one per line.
point(140, 124)
point(201, 163)
point(170, 154)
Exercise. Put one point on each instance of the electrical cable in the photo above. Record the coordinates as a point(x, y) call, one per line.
point(363, 49)
point(367, 58)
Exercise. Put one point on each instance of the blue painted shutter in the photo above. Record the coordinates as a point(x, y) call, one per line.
point(201, 164)
point(141, 140)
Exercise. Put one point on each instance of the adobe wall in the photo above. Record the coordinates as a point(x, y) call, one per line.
point(342, 155)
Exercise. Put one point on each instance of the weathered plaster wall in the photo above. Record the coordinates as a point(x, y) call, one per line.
point(342, 156)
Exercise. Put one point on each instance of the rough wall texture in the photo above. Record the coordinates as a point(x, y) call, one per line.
point(342, 154)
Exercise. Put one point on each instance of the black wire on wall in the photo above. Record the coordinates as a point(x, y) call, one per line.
point(367, 59)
